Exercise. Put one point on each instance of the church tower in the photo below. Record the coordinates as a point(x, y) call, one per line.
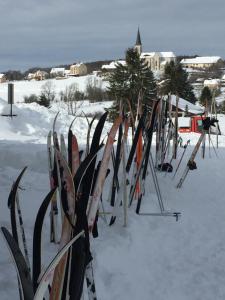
point(138, 45)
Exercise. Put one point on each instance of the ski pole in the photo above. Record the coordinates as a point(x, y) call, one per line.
point(185, 148)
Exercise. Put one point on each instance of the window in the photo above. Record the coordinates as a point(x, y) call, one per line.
point(199, 125)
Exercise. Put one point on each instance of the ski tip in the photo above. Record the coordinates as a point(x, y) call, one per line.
point(13, 189)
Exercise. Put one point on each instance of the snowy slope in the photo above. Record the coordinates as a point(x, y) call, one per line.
point(26, 88)
point(153, 257)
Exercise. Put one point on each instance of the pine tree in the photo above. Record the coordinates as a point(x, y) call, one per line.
point(206, 97)
point(176, 82)
point(130, 81)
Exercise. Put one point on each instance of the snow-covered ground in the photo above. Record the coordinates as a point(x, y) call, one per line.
point(26, 88)
point(153, 258)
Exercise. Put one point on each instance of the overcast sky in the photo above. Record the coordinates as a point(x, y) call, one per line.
point(53, 32)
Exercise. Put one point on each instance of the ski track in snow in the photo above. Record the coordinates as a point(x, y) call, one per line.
point(153, 258)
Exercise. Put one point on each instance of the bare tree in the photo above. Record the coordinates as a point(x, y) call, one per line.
point(73, 98)
point(48, 94)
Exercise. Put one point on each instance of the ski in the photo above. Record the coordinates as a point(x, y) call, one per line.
point(191, 165)
point(37, 237)
point(20, 264)
point(94, 201)
point(46, 278)
point(69, 219)
point(53, 184)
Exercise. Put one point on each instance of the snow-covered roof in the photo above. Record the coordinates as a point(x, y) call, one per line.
point(167, 54)
point(57, 70)
point(144, 54)
point(114, 64)
point(211, 81)
point(201, 60)
point(30, 75)
point(162, 54)
point(182, 104)
point(220, 99)
point(223, 77)
point(2, 75)
point(77, 65)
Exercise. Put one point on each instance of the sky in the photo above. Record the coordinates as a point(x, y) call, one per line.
point(53, 32)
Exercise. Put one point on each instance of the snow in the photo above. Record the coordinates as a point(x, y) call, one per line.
point(113, 65)
point(210, 82)
point(57, 70)
point(26, 88)
point(153, 257)
point(182, 104)
point(201, 60)
point(162, 54)
point(184, 122)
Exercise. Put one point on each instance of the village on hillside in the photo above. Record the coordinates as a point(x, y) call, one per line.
point(203, 71)
point(111, 177)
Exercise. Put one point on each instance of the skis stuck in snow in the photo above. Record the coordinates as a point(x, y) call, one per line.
point(99, 182)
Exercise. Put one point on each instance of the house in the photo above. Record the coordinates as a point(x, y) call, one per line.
point(57, 72)
point(156, 61)
point(213, 84)
point(2, 78)
point(78, 69)
point(40, 75)
point(67, 73)
point(186, 106)
point(202, 62)
point(30, 76)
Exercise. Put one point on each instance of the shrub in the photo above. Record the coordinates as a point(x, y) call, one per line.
point(31, 99)
point(94, 91)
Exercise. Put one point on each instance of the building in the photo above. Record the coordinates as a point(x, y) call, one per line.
point(112, 66)
point(57, 72)
point(67, 73)
point(201, 62)
point(2, 78)
point(78, 69)
point(156, 60)
point(213, 84)
point(40, 75)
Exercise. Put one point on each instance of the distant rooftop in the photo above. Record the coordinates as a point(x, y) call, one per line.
point(56, 70)
point(113, 64)
point(201, 60)
point(183, 104)
point(162, 54)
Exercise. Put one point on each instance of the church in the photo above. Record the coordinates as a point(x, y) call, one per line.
point(155, 60)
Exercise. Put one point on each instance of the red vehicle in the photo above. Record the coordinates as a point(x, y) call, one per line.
point(190, 124)
point(196, 123)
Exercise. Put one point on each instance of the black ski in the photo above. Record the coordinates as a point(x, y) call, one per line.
point(37, 238)
point(20, 264)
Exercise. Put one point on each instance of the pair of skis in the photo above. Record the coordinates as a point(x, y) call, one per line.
point(191, 165)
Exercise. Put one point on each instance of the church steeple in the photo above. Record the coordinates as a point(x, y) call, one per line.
point(138, 40)
point(138, 45)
